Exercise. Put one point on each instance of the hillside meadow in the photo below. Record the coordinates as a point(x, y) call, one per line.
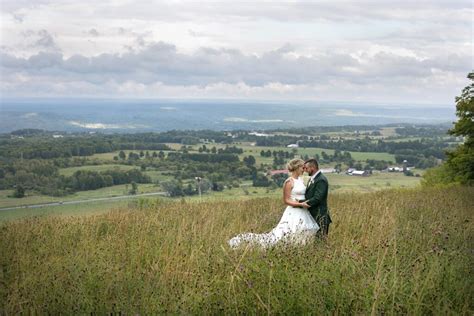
point(399, 251)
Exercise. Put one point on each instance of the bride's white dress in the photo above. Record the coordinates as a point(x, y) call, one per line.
point(296, 224)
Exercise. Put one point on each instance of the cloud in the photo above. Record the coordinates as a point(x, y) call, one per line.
point(161, 62)
point(41, 40)
point(93, 32)
point(319, 50)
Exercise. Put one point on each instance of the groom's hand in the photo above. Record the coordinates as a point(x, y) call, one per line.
point(305, 205)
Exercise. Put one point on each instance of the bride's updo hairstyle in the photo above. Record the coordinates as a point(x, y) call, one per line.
point(294, 164)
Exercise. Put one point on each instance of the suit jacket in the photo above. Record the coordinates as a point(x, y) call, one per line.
point(316, 196)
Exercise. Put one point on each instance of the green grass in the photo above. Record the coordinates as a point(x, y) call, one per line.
point(94, 208)
point(158, 175)
point(34, 198)
point(375, 182)
point(388, 131)
point(392, 252)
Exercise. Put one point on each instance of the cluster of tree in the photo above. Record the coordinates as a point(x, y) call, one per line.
point(422, 131)
point(261, 180)
point(338, 156)
point(176, 188)
point(276, 140)
point(31, 132)
point(227, 150)
point(375, 164)
point(417, 160)
point(43, 176)
point(133, 156)
point(41, 147)
point(83, 180)
point(189, 137)
point(281, 157)
point(212, 158)
point(459, 166)
point(280, 153)
point(426, 147)
point(67, 162)
point(276, 180)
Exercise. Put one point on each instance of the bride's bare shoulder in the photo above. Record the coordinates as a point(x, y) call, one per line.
point(288, 180)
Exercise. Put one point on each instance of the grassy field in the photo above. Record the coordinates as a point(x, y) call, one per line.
point(34, 198)
point(375, 182)
point(392, 252)
point(95, 208)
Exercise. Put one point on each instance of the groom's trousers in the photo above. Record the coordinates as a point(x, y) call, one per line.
point(323, 222)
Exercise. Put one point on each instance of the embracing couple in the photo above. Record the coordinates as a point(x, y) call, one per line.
point(306, 215)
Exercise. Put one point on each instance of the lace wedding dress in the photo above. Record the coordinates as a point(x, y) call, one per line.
point(296, 224)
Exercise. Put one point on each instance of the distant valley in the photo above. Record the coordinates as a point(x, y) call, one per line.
point(110, 116)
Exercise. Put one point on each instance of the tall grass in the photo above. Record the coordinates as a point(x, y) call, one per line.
point(390, 252)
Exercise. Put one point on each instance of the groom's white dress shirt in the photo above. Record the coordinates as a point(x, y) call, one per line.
point(311, 180)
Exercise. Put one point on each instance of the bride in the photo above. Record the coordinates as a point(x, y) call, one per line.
point(296, 224)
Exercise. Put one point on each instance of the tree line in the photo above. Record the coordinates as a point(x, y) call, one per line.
point(459, 166)
point(43, 176)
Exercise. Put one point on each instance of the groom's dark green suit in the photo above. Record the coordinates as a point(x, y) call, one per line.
point(316, 196)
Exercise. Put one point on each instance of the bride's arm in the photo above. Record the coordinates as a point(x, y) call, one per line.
point(287, 186)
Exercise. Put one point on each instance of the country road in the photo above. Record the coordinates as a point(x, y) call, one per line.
point(122, 197)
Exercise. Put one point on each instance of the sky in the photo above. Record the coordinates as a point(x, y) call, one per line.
point(392, 52)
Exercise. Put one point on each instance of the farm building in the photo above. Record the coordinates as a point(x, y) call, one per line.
point(328, 170)
point(274, 172)
point(360, 173)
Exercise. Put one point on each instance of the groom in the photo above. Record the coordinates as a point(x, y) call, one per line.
point(316, 197)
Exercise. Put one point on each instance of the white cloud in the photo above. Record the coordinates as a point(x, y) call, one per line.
point(364, 50)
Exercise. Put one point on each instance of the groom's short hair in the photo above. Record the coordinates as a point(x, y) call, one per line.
point(312, 162)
